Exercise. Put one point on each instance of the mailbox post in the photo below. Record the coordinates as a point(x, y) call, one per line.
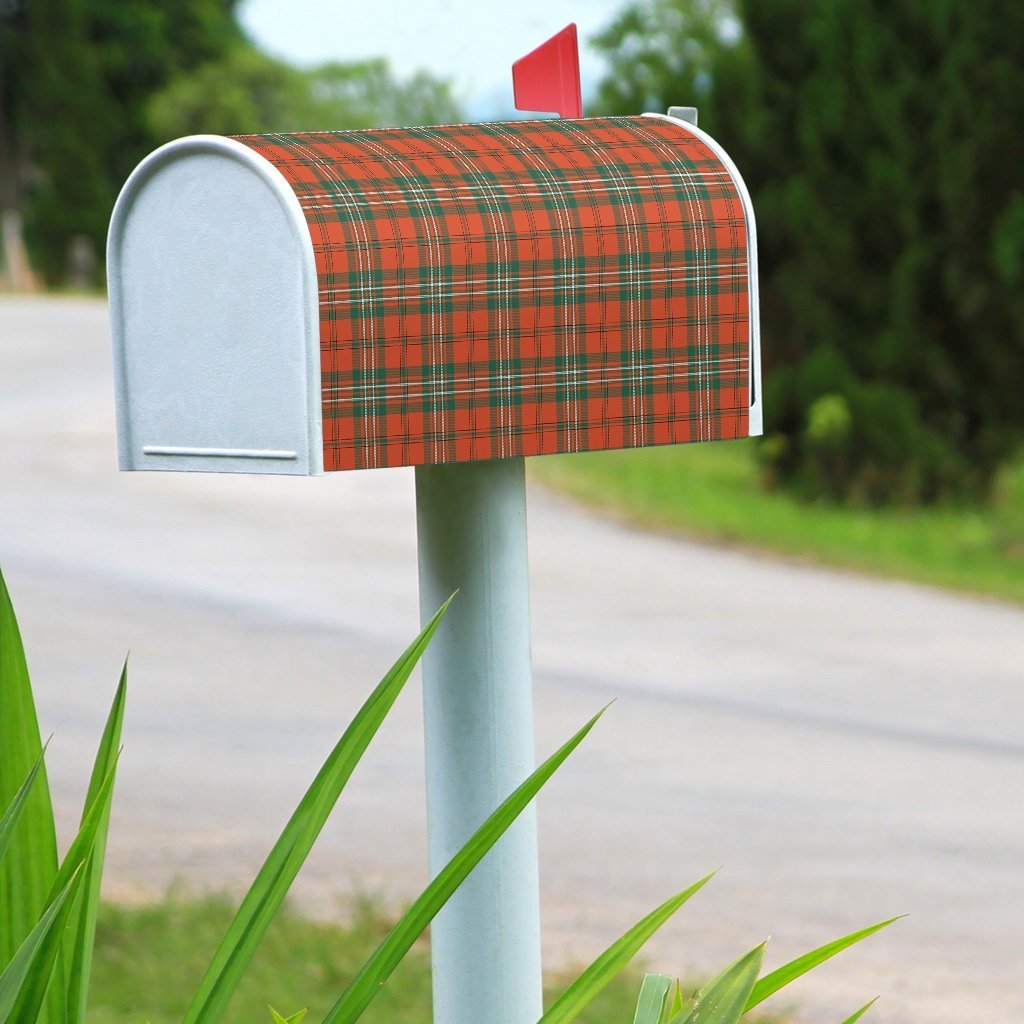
point(478, 721)
point(452, 298)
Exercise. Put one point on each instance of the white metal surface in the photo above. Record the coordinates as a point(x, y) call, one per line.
point(478, 721)
point(756, 419)
point(214, 315)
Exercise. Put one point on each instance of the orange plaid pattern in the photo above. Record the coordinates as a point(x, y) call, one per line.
point(522, 289)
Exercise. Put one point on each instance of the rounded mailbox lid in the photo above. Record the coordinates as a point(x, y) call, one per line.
point(214, 315)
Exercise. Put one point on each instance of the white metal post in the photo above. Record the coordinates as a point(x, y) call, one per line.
point(478, 711)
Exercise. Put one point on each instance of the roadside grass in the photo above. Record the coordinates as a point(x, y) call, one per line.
point(150, 957)
point(713, 492)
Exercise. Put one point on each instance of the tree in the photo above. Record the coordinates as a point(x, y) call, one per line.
point(88, 87)
point(876, 141)
point(245, 91)
point(248, 91)
point(75, 80)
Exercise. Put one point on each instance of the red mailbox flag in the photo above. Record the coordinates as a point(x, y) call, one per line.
point(548, 78)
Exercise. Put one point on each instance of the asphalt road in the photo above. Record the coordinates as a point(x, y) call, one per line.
point(846, 748)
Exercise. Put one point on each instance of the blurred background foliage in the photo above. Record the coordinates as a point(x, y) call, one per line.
point(247, 87)
point(89, 87)
point(880, 141)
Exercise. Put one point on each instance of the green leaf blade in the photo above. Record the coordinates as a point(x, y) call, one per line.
point(72, 867)
point(295, 1018)
point(372, 975)
point(31, 863)
point(676, 1003)
point(82, 931)
point(595, 977)
point(12, 815)
point(82, 846)
point(782, 976)
point(854, 1017)
point(278, 872)
point(23, 983)
point(651, 1003)
point(29, 868)
point(723, 1000)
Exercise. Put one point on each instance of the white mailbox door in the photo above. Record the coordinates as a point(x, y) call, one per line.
point(214, 316)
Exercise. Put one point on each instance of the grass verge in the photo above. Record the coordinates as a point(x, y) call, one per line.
point(713, 492)
point(149, 959)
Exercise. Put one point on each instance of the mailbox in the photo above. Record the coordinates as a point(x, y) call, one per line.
point(359, 299)
point(452, 298)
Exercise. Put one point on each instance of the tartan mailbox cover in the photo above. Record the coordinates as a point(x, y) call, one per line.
point(360, 299)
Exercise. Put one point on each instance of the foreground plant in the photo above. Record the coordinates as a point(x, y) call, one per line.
point(734, 992)
point(295, 1018)
point(48, 909)
point(725, 999)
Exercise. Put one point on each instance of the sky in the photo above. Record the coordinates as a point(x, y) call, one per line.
point(472, 42)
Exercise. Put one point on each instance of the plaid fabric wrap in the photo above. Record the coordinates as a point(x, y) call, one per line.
point(526, 288)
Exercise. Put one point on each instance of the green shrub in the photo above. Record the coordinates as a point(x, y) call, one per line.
point(890, 219)
point(835, 436)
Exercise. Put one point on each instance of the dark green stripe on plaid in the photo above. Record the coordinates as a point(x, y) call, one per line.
point(522, 289)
